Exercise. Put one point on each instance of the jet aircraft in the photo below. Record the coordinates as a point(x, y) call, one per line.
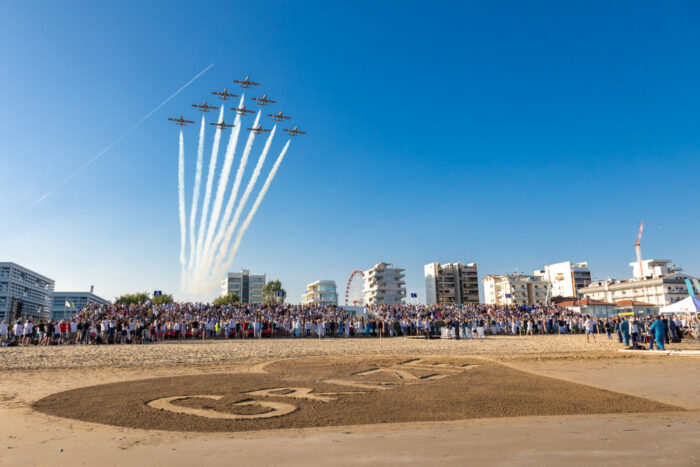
point(294, 131)
point(257, 130)
point(180, 121)
point(204, 107)
point(242, 110)
point(224, 95)
point(222, 125)
point(264, 100)
point(279, 117)
point(246, 83)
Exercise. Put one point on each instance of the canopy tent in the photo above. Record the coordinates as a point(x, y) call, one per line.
point(688, 305)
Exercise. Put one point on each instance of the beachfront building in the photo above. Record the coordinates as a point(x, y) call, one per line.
point(451, 284)
point(320, 293)
point(636, 307)
point(25, 291)
point(657, 284)
point(247, 286)
point(515, 289)
point(566, 278)
point(66, 304)
point(384, 284)
point(588, 306)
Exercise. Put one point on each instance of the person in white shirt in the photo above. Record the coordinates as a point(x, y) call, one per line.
point(589, 324)
point(19, 331)
point(28, 333)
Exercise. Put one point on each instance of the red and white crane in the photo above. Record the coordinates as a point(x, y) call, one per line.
point(638, 249)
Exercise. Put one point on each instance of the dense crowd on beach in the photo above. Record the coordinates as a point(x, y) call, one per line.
point(138, 324)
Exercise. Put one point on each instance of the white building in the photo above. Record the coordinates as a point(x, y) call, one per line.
point(66, 304)
point(515, 289)
point(247, 286)
point(384, 284)
point(453, 283)
point(320, 293)
point(23, 288)
point(565, 279)
point(588, 306)
point(661, 285)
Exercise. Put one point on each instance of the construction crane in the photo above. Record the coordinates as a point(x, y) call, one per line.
point(638, 249)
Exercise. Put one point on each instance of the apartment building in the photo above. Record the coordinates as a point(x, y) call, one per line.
point(23, 288)
point(384, 284)
point(566, 278)
point(247, 286)
point(515, 289)
point(320, 293)
point(451, 284)
point(657, 283)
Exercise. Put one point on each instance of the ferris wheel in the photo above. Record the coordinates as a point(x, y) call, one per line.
point(353, 290)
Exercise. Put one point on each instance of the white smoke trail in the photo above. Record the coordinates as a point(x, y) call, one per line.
point(223, 182)
point(181, 198)
point(207, 192)
point(234, 193)
point(116, 141)
point(254, 209)
point(195, 194)
point(251, 184)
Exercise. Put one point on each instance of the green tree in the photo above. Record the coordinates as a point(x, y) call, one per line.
point(132, 299)
point(270, 293)
point(162, 299)
point(229, 299)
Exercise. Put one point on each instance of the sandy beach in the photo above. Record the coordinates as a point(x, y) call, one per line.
point(663, 429)
point(251, 350)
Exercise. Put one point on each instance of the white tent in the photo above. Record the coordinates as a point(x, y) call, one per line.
point(688, 305)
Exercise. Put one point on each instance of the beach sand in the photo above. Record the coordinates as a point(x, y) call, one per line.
point(665, 435)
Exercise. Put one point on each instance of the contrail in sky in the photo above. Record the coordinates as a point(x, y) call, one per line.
point(223, 180)
point(244, 199)
point(234, 191)
point(255, 207)
point(181, 197)
point(116, 141)
point(195, 194)
point(210, 180)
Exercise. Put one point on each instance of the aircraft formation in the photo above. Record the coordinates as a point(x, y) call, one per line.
point(226, 95)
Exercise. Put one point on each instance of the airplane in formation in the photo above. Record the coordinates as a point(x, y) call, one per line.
point(294, 131)
point(279, 117)
point(221, 125)
point(180, 121)
point(224, 95)
point(264, 100)
point(246, 83)
point(242, 110)
point(204, 107)
point(257, 129)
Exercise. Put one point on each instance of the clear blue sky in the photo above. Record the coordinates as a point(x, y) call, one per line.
point(506, 133)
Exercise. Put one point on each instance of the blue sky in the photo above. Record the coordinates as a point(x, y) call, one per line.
point(507, 133)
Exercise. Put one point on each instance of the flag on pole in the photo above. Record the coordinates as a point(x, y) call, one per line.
point(68, 304)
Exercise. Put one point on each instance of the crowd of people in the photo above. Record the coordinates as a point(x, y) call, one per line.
point(137, 324)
